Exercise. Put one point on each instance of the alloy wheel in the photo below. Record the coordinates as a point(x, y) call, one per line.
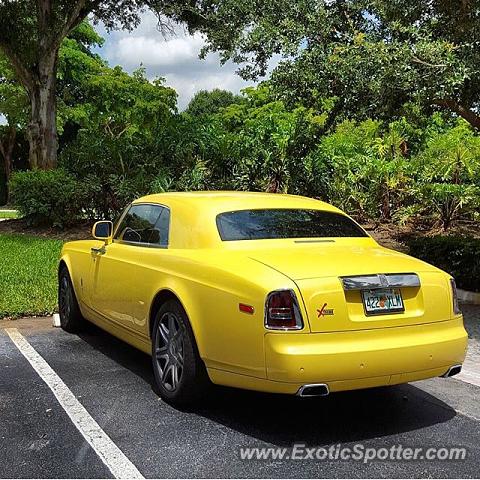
point(169, 351)
point(65, 298)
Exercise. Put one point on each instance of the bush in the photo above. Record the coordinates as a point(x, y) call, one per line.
point(459, 256)
point(52, 197)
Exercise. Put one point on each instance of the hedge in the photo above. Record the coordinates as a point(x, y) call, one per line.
point(52, 197)
point(457, 255)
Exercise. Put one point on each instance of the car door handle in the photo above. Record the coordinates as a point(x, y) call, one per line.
point(98, 250)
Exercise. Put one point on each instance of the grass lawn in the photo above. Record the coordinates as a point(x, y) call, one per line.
point(28, 275)
point(8, 214)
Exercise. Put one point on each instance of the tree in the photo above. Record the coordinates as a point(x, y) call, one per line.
point(13, 106)
point(207, 102)
point(268, 143)
point(118, 122)
point(31, 33)
point(371, 56)
point(77, 62)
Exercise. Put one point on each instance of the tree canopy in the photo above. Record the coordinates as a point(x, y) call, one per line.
point(206, 102)
point(31, 34)
point(372, 56)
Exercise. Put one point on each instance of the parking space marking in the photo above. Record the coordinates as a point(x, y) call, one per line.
point(102, 444)
point(471, 366)
point(470, 376)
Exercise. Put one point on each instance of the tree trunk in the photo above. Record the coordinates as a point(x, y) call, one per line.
point(6, 150)
point(469, 115)
point(42, 129)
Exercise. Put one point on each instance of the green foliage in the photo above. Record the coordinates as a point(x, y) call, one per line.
point(13, 98)
point(207, 102)
point(367, 167)
point(448, 182)
point(51, 197)
point(372, 56)
point(32, 32)
point(122, 136)
point(266, 142)
point(113, 154)
point(28, 277)
point(129, 141)
point(459, 256)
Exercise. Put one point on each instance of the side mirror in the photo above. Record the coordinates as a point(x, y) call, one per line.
point(103, 231)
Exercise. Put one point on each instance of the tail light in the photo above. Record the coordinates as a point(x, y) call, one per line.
point(456, 307)
point(282, 311)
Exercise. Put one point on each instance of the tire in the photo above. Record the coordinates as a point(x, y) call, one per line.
point(71, 319)
point(180, 374)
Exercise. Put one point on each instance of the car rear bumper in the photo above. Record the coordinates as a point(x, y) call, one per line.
point(367, 358)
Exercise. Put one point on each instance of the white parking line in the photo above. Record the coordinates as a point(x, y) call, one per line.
point(469, 377)
point(470, 373)
point(471, 366)
point(106, 449)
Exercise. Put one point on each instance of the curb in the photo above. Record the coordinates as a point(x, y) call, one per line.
point(472, 298)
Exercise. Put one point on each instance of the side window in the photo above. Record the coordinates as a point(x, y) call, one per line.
point(144, 223)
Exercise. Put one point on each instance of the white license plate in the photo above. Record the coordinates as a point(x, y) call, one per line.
point(387, 300)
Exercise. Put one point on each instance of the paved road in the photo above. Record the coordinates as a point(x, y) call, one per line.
point(114, 384)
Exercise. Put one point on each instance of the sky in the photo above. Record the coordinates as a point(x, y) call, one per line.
point(175, 58)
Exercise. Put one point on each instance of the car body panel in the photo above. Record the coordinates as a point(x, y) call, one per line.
point(364, 354)
point(117, 289)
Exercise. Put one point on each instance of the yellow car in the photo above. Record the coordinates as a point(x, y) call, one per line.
point(268, 292)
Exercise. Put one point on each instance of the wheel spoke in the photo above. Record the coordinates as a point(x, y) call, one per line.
point(178, 335)
point(161, 351)
point(174, 376)
point(172, 330)
point(164, 333)
point(166, 373)
point(162, 356)
point(179, 355)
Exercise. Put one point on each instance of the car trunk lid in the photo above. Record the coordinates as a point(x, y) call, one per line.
point(322, 274)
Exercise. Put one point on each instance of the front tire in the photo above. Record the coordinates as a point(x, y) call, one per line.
point(71, 319)
point(180, 374)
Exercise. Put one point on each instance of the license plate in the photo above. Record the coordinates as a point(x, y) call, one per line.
point(388, 300)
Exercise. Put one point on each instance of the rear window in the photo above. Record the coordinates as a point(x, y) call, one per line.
point(285, 223)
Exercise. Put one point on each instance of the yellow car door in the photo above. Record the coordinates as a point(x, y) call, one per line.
point(150, 259)
point(115, 269)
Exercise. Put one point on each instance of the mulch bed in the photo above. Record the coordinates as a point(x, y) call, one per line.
point(20, 226)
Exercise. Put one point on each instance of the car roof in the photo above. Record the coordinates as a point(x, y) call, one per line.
point(193, 214)
point(224, 201)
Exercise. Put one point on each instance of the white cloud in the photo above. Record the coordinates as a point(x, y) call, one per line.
point(156, 52)
point(3, 120)
point(174, 57)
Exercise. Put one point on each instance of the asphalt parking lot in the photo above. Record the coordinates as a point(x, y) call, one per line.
point(113, 382)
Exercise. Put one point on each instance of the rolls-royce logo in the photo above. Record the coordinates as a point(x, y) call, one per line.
point(321, 312)
point(383, 280)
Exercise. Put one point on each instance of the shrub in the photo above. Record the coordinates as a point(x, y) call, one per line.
point(459, 256)
point(52, 197)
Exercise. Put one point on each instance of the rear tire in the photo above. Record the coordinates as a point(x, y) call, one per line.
point(180, 374)
point(71, 319)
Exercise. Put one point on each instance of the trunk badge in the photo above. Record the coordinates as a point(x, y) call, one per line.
point(383, 280)
point(324, 311)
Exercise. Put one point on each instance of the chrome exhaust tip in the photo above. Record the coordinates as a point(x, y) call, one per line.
point(314, 390)
point(454, 370)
